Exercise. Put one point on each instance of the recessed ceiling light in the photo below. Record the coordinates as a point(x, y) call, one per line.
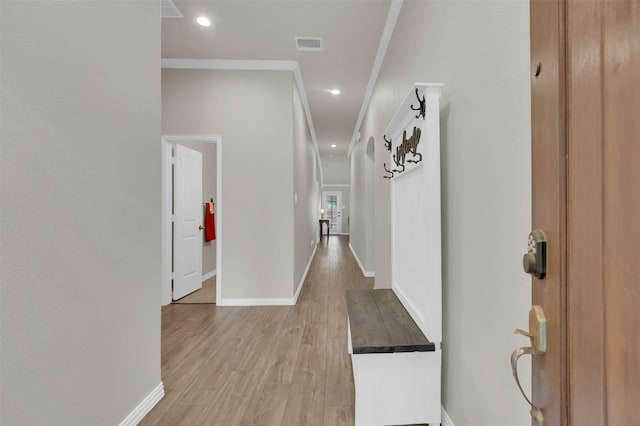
point(333, 145)
point(334, 92)
point(204, 21)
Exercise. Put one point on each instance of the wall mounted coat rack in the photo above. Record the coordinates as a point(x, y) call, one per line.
point(387, 143)
point(391, 173)
point(406, 151)
point(422, 107)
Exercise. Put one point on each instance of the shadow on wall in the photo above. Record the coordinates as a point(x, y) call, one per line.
point(371, 149)
point(445, 109)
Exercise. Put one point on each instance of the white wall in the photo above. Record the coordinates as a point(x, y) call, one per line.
point(361, 236)
point(306, 191)
point(209, 186)
point(79, 210)
point(335, 170)
point(252, 111)
point(480, 51)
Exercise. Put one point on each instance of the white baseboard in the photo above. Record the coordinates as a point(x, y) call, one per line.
point(209, 275)
point(144, 407)
point(304, 275)
point(446, 420)
point(267, 301)
point(366, 273)
point(271, 301)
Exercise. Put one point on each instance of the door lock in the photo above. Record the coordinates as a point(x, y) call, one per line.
point(535, 259)
point(537, 331)
point(538, 418)
point(537, 335)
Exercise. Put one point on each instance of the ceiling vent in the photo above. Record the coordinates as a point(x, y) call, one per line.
point(309, 43)
point(169, 10)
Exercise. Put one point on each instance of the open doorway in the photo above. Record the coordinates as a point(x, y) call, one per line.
point(332, 206)
point(191, 252)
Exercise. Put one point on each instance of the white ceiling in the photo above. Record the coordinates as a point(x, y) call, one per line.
point(266, 30)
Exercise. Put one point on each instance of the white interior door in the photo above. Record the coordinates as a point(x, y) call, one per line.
point(187, 235)
point(332, 205)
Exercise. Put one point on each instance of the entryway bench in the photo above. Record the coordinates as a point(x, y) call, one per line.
point(395, 366)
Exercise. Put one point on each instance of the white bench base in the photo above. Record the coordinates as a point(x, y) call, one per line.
point(396, 388)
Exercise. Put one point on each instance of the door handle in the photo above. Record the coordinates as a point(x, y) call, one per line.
point(200, 227)
point(537, 334)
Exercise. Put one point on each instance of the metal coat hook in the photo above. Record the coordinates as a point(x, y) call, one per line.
point(387, 143)
point(388, 171)
point(409, 146)
point(399, 164)
point(415, 161)
point(422, 108)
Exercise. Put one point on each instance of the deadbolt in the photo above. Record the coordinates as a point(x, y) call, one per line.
point(534, 261)
point(529, 263)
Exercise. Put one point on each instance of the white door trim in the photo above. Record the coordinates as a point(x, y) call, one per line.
point(167, 142)
point(338, 194)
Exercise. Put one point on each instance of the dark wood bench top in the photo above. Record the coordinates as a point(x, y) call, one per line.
point(380, 324)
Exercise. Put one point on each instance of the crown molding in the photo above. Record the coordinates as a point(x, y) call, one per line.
point(389, 26)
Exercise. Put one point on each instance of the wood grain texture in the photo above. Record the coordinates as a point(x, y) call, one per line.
point(603, 90)
point(621, 115)
point(548, 156)
point(586, 370)
point(380, 324)
point(264, 365)
point(207, 294)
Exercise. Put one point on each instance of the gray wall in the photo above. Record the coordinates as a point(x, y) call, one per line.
point(361, 236)
point(257, 175)
point(209, 182)
point(79, 210)
point(335, 170)
point(305, 189)
point(480, 51)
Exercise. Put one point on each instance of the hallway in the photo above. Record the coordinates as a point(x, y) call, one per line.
point(264, 365)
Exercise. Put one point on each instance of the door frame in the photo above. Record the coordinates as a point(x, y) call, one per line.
point(322, 205)
point(167, 142)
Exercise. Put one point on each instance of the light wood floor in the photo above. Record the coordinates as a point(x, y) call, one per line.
point(264, 365)
point(207, 294)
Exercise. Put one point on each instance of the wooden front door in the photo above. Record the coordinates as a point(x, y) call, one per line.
point(586, 197)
